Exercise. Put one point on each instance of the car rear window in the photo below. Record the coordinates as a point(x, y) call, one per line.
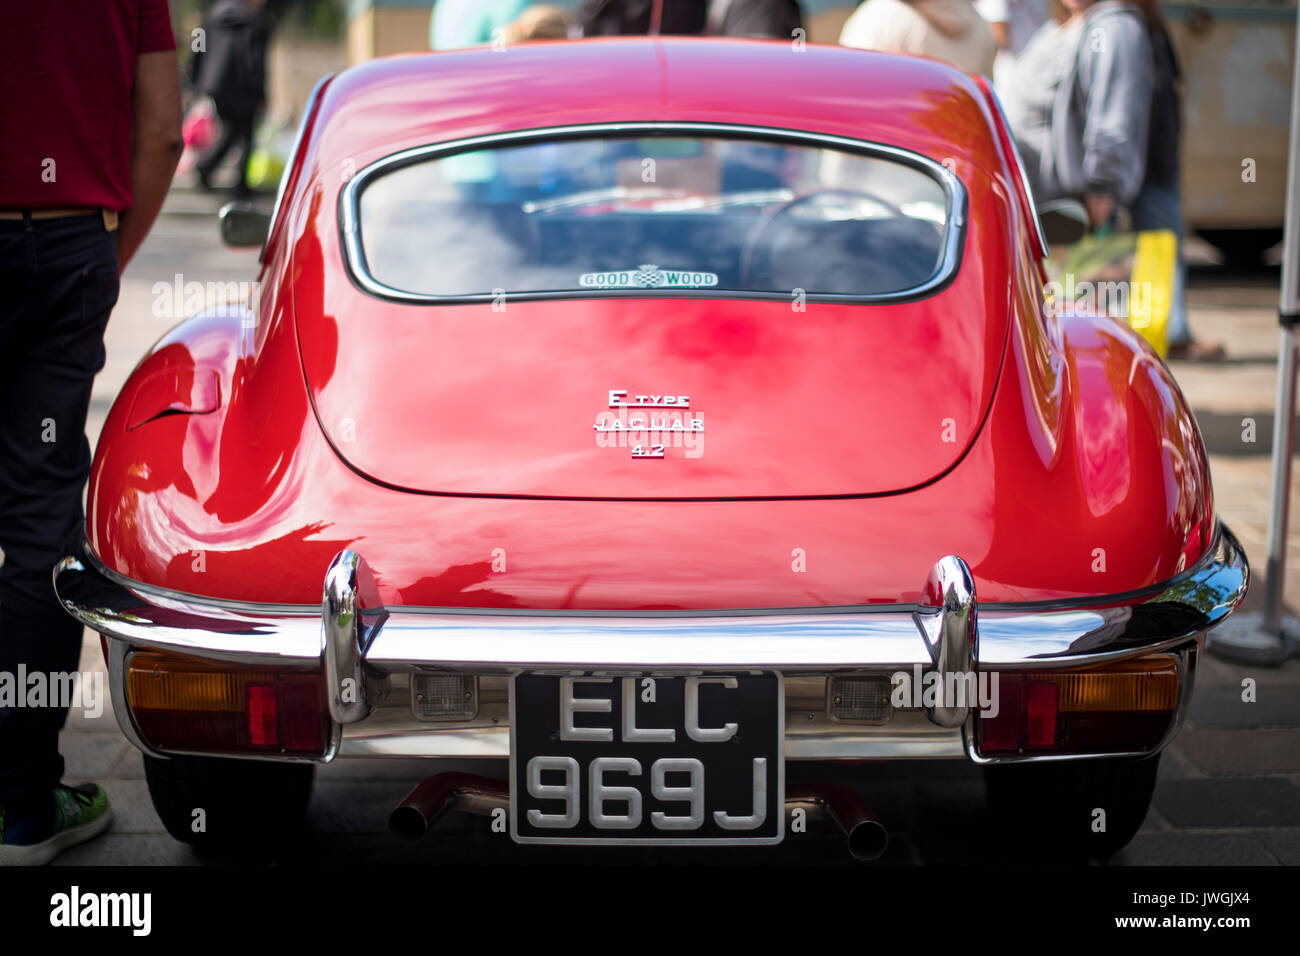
point(644, 215)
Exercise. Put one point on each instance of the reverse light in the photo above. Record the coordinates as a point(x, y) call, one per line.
point(864, 699)
point(444, 696)
point(185, 704)
point(1116, 708)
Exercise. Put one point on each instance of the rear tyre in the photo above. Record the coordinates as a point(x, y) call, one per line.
point(1055, 806)
point(226, 807)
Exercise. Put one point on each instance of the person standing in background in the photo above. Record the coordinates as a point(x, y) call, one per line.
point(775, 19)
point(1013, 22)
point(1159, 203)
point(642, 17)
point(91, 128)
point(456, 24)
point(948, 30)
point(1080, 107)
point(542, 21)
point(1044, 65)
point(232, 70)
point(1095, 110)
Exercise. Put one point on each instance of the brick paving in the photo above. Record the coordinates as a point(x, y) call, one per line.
point(1228, 790)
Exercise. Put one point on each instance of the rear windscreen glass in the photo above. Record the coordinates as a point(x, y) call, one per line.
point(653, 214)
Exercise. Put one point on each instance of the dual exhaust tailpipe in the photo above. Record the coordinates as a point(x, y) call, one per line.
point(429, 801)
point(864, 835)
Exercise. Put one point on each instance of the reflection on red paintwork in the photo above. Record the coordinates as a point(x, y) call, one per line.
point(1071, 439)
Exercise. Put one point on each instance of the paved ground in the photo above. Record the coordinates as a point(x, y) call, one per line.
point(1229, 790)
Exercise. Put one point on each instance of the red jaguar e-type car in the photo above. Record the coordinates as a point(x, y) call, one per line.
point(652, 413)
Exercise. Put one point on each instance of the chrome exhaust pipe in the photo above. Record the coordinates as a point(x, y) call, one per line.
point(865, 836)
point(426, 804)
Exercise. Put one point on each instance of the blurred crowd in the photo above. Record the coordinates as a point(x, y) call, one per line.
point(1091, 88)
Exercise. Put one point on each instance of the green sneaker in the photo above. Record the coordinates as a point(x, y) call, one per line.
point(74, 815)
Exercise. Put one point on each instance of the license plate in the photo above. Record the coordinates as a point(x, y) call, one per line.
point(647, 759)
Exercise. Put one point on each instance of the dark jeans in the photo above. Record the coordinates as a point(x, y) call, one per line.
point(237, 131)
point(58, 284)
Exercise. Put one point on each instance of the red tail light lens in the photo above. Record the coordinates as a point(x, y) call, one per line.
point(261, 715)
point(184, 704)
point(1116, 708)
point(1040, 714)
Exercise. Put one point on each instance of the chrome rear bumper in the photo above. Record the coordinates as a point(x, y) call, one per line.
point(354, 637)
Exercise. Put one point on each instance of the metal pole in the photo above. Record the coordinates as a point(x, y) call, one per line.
point(1280, 497)
point(1283, 425)
point(1269, 639)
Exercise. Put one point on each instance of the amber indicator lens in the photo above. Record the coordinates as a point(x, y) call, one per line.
point(181, 703)
point(1118, 708)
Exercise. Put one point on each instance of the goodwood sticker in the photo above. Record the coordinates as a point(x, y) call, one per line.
point(648, 277)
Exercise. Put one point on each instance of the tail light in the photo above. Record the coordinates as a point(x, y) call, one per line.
point(185, 704)
point(1116, 708)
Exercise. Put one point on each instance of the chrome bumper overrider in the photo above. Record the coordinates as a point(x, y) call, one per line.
point(365, 645)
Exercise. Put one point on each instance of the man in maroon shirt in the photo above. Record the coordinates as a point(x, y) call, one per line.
point(90, 135)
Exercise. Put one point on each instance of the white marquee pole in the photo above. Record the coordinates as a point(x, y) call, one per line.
point(1272, 637)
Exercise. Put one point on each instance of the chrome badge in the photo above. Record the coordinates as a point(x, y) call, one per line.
point(650, 424)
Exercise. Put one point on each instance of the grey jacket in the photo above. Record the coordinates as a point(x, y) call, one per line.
point(1103, 109)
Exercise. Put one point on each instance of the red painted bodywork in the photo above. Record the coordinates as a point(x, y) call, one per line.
point(1074, 467)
